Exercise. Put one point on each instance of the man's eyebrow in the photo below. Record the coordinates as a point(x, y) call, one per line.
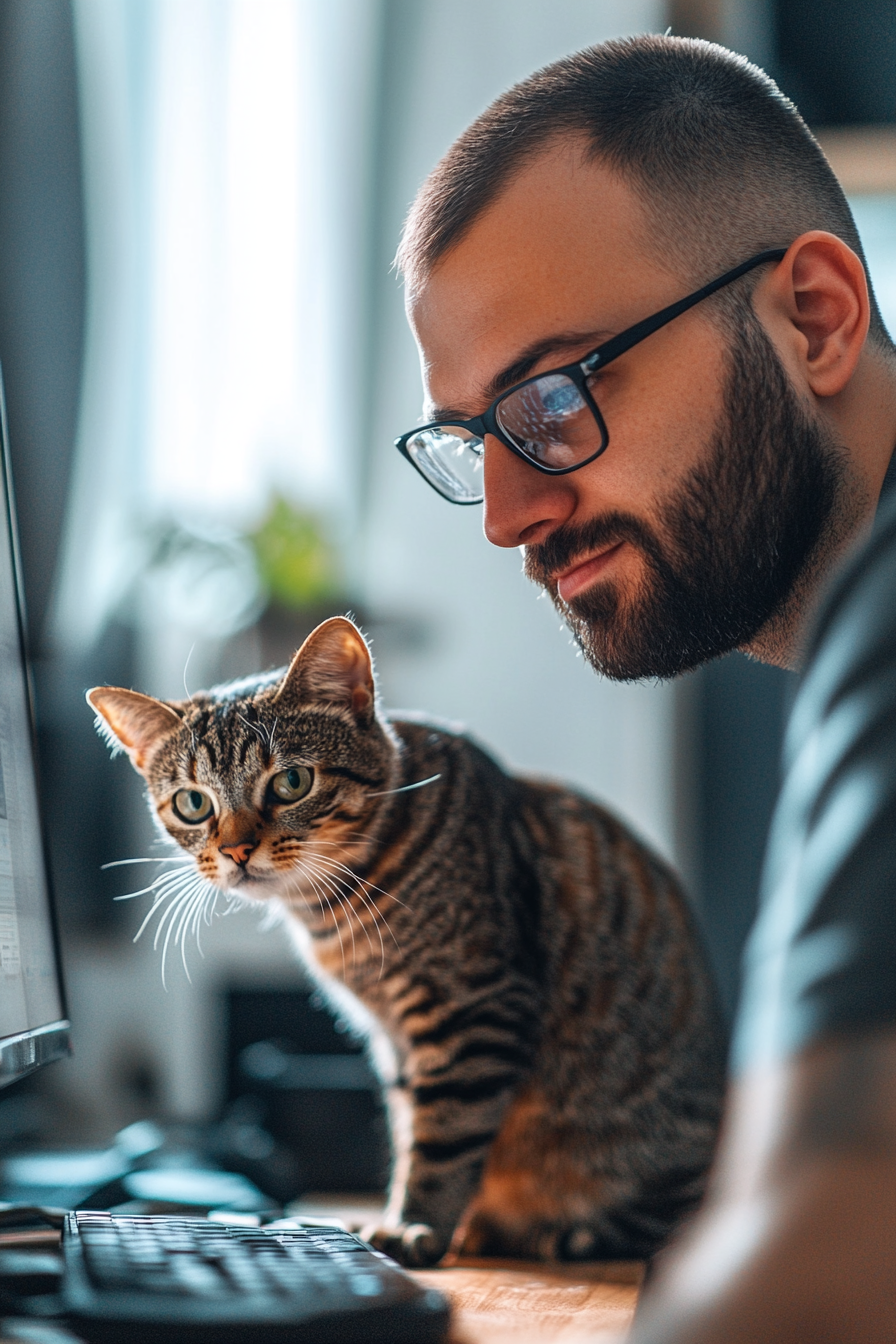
point(523, 365)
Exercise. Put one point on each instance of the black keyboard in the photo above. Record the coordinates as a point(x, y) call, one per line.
point(162, 1279)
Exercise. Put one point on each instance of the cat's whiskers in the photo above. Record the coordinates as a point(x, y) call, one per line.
point(364, 888)
point(165, 886)
point(358, 887)
point(369, 904)
point(176, 907)
point(352, 838)
point(211, 904)
point(349, 837)
point(188, 902)
point(378, 919)
point(253, 727)
point(168, 858)
point(405, 788)
point(186, 665)
point(165, 914)
point(336, 926)
point(190, 923)
point(371, 886)
point(130, 895)
point(265, 736)
point(344, 901)
point(185, 909)
point(197, 905)
point(348, 847)
point(168, 916)
point(318, 879)
point(300, 895)
point(308, 906)
point(163, 882)
point(159, 900)
point(189, 899)
point(316, 876)
point(303, 871)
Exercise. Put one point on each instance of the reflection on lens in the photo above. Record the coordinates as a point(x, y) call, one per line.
point(561, 401)
point(550, 421)
point(451, 460)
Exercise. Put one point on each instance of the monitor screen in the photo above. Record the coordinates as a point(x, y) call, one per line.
point(33, 1026)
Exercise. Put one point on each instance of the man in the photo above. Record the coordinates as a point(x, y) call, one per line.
point(648, 341)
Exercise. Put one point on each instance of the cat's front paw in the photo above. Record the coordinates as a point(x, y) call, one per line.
point(413, 1245)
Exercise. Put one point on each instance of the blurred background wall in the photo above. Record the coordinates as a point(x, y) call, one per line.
point(206, 361)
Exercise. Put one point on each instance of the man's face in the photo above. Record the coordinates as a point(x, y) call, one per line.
point(647, 549)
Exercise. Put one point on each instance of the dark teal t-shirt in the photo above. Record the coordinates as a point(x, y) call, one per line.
point(821, 959)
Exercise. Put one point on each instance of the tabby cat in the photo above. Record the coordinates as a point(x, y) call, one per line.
point(534, 991)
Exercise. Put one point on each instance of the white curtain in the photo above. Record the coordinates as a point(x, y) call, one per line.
point(225, 145)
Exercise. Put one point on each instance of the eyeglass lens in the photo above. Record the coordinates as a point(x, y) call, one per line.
point(451, 460)
point(547, 419)
point(550, 421)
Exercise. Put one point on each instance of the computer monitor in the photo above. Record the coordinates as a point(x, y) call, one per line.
point(33, 1025)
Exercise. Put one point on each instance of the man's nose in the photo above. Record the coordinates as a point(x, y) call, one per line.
point(239, 853)
point(522, 505)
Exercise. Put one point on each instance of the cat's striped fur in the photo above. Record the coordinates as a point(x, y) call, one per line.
point(544, 1018)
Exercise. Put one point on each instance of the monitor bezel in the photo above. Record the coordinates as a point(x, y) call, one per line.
point(28, 1050)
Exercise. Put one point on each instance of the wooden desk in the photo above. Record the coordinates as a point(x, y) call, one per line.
point(511, 1301)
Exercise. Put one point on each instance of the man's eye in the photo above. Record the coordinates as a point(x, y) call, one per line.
point(192, 806)
point(292, 784)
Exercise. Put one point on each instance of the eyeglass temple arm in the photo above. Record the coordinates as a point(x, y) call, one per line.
point(618, 345)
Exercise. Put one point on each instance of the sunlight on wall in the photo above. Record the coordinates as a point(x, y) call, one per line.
point(239, 260)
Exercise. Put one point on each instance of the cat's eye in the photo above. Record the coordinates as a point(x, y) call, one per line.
point(192, 806)
point(290, 785)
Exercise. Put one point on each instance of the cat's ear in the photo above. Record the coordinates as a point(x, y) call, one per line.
point(131, 722)
point(332, 667)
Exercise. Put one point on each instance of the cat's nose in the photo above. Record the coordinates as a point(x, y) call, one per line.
point(239, 853)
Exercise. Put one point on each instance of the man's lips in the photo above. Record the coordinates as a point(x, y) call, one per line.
point(584, 572)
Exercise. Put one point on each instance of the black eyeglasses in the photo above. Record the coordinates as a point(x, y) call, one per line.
point(551, 421)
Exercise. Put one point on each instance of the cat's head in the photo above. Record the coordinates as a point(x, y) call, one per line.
point(259, 780)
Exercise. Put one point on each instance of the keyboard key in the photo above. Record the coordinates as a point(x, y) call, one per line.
point(196, 1276)
point(366, 1285)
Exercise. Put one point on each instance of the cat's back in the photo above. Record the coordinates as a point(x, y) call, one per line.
point(608, 924)
point(587, 852)
point(571, 839)
point(587, 862)
point(574, 844)
point(543, 843)
point(623, 945)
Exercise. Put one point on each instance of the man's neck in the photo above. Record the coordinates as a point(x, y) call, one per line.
point(781, 641)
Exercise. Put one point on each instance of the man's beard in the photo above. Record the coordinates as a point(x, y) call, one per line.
point(732, 543)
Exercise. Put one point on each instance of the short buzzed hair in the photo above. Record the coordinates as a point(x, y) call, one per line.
point(723, 163)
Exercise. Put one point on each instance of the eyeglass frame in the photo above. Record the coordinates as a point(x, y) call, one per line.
point(578, 373)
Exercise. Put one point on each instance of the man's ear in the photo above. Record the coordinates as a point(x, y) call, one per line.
point(332, 667)
point(131, 722)
point(822, 287)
